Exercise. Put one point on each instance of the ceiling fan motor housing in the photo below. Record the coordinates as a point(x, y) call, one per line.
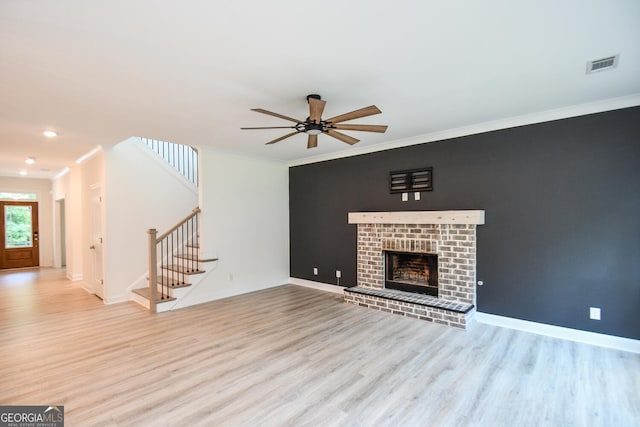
point(311, 128)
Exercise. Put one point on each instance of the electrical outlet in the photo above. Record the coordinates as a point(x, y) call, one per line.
point(315, 271)
point(338, 274)
point(405, 197)
point(594, 313)
point(416, 195)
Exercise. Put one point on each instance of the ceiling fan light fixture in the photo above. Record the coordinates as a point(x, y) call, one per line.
point(313, 129)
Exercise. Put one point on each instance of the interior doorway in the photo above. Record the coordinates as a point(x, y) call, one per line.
point(60, 260)
point(96, 240)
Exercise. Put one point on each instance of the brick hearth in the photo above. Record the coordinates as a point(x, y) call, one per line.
point(449, 234)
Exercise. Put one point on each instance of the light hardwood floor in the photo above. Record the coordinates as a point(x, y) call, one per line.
point(292, 356)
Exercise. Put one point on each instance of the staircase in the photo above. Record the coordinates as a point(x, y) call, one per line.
point(175, 261)
point(174, 264)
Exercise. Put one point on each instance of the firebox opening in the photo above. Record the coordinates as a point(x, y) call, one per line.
point(412, 272)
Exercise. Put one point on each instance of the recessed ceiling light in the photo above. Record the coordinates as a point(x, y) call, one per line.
point(23, 173)
point(30, 160)
point(49, 133)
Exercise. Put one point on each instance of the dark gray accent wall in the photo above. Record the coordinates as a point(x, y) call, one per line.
point(562, 203)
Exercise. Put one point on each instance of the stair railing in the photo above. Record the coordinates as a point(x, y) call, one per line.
point(177, 249)
point(182, 158)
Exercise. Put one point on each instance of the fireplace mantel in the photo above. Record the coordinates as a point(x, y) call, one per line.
point(418, 217)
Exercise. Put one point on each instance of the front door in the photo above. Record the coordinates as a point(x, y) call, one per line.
point(19, 235)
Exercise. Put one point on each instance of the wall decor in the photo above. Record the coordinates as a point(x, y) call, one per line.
point(411, 180)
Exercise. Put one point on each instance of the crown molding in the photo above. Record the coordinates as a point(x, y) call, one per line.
point(526, 119)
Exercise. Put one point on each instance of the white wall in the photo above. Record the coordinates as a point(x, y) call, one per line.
point(139, 194)
point(245, 223)
point(245, 219)
point(42, 188)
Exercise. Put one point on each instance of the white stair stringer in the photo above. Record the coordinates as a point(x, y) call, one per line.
point(181, 294)
point(176, 294)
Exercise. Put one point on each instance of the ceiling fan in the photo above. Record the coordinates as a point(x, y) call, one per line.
point(314, 125)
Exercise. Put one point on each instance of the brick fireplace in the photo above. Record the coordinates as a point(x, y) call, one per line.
point(450, 235)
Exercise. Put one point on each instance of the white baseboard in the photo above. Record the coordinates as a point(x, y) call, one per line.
point(116, 300)
point(317, 285)
point(74, 277)
point(601, 340)
point(593, 338)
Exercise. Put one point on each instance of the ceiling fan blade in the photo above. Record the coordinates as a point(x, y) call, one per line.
point(271, 113)
point(365, 128)
point(316, 107)
point(342, 137)
point(282, 137)
point(271, 127)
point(363, 112)
point(312, 142)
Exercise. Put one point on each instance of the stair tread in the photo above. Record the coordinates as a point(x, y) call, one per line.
point(196, 259)
point(168, 282)
point(182, 269)
point(168, 279)
point(145, 293)
point(176, 286)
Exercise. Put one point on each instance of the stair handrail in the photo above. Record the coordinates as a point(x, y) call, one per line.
point(193, 213)
point(156, 243)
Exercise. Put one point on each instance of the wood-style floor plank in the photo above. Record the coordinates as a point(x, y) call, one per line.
point(291, 356)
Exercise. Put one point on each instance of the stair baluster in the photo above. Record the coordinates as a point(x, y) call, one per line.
point(183, 158)
point(179, 257)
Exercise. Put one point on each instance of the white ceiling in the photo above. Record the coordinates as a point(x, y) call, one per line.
point(100, 71)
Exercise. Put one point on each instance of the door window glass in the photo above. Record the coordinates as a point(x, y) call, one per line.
point(17, 222)
point(17, 196)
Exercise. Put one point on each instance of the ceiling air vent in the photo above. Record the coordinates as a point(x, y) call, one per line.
point(602, 64)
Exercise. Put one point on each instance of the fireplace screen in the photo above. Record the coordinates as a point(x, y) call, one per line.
point(412, 272)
